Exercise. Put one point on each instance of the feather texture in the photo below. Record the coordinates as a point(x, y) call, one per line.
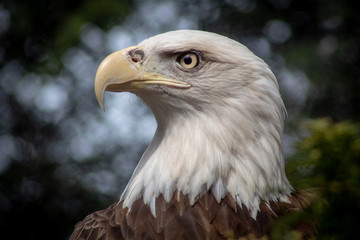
point(178, 219)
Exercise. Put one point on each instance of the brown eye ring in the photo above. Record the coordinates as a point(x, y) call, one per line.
point(188, 60)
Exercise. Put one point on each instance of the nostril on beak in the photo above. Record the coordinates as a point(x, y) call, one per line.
point(137, 55)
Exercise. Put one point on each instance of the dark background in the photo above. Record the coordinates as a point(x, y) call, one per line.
point(62, 158)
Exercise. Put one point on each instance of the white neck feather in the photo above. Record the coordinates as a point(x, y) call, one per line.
point(224, 149)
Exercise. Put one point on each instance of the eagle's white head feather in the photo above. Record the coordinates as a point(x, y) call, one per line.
point(223, 134)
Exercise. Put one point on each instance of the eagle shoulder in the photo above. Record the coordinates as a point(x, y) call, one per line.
point(97, 226)
point(178, 219)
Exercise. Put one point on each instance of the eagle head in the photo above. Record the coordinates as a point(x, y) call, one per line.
point(220, 118)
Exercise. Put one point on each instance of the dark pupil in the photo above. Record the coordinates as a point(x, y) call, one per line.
point(187, 60)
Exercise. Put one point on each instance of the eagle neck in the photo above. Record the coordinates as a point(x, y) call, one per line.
point(188, 156)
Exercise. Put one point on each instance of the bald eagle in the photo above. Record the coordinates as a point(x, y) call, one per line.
point(214, 168)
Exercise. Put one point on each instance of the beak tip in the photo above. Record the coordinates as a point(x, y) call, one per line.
point(101, 103)
point(100, 99)
point(102, 107)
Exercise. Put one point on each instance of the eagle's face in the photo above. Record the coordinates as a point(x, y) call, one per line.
point(188, 70)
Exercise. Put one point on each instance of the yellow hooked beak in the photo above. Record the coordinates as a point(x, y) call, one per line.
point(119, 72)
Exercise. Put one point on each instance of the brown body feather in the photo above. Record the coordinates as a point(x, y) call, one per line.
point(177, 219)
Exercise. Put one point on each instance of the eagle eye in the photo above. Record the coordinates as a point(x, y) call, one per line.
point(188, 60)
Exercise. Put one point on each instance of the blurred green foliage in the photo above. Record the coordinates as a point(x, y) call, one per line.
point(41, 31)
point(328, 162)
